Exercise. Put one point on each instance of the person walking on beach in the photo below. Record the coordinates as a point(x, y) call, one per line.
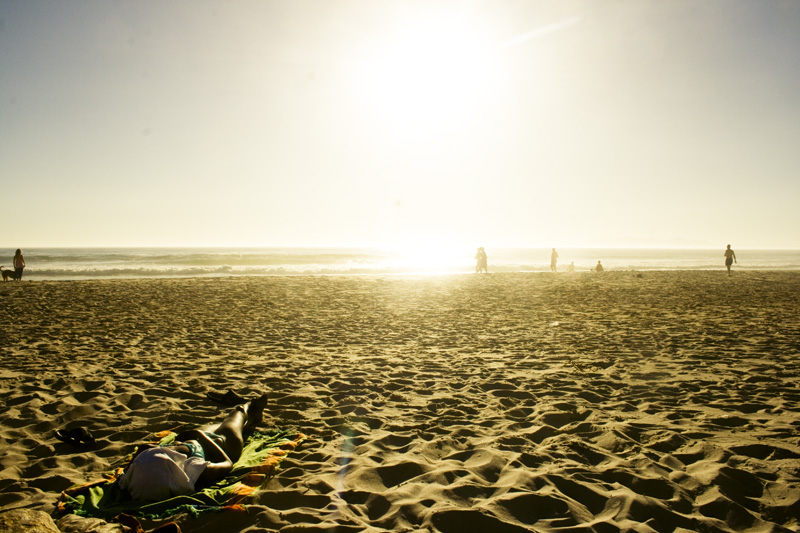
point(553, 260)
point(19, 265)
point(482, 263)
point(730, 258)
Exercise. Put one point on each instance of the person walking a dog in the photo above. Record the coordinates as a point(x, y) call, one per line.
point(19, 265)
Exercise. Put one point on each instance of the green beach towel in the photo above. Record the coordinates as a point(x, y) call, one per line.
point(262, 453)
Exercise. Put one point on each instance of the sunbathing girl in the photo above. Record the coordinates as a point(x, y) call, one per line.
point(197, 457)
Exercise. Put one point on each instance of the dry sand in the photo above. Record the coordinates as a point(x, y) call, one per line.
point(621, 401)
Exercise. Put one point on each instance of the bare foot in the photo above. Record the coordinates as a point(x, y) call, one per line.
point(255, 411)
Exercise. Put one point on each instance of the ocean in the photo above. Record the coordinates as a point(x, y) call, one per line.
point(100, 263)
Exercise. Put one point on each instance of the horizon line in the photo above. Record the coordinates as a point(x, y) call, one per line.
point(390, 247)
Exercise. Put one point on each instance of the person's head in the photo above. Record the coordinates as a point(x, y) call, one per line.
point(19, 252)
point(729, 247)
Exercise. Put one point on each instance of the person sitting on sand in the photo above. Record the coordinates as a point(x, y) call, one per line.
point(598, 268)
point(730, 258)
point(571, 267)
point(197, 457)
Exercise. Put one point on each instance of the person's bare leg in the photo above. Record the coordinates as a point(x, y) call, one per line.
point(243, 418)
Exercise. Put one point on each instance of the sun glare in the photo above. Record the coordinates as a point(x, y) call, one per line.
point(430, 257)
point(428, 75)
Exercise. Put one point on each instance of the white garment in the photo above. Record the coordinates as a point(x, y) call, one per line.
point(161, 473)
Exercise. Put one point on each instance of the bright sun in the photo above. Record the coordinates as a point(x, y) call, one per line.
point(427, 75)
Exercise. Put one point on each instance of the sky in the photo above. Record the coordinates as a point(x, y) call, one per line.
point(602, 123)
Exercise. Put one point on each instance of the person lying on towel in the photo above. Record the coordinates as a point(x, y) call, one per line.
point(197, 457)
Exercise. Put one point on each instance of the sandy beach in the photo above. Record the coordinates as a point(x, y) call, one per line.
point(621, 401)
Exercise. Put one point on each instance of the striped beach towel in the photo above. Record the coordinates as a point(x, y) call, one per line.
point(262, 453)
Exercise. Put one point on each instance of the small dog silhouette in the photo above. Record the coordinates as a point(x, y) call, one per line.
point(8, 275)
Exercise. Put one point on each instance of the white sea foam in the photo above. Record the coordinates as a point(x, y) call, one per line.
point(88, 263)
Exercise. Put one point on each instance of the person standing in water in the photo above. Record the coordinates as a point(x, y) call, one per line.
point(19, 265)
point(482, 263)
point(553, 260)
point(730, 258)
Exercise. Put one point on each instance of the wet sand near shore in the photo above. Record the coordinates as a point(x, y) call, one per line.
point(621, 401)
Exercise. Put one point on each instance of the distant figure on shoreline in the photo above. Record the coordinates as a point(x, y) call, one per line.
point(571, 267)
point(598, 268)
point(19, 265)
point(482, 262)
point(730, 258)
point(553, 260)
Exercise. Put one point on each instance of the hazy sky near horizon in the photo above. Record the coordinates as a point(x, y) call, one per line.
point(429, 123)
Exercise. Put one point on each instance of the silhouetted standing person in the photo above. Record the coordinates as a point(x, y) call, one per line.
point(599, 267)
point(730, 258)
point(553, 260)
point(482, 262)
point(19, 265)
